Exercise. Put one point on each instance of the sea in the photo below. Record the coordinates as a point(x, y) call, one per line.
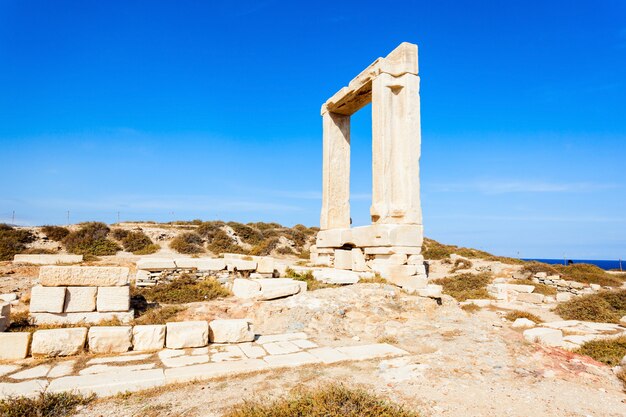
point(604, 264)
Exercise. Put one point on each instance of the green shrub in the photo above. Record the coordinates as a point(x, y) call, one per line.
point(602, 307)
point(247, 233)
point(222, 243)
point(188, 243)
point(304, 254)
point(91, 239)
point(331, 400)
point(285, 250)
point(466, 286)
point(265, 247)
point(44, 405)
point(13, 241)
point(608, 351)
point(56, 233)
point(136, 241)
point(119, 234)
point(185, 289)
point(150, 249)
point(265, 226)
point(311, 282)
point(208, 229)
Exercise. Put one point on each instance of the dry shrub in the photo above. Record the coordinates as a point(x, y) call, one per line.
point(91, 239)
point(208, 229)
point(150, 249)
point(266, 247)
point(585, 273)
point(44, 405)
point(247, 233)
point(376, 279)
point(136, 241)
point(158, 315)
point(119, 234)
point(470, 308)
point(56, 233)
point(185, 289)
point(608, 351)
point(39, 251)
point(602, 307)
point(519, 314)
point(311, 283)
point(188, 243)
point(466, 286)
point(460, 264)
point(331, 400)
point(13, 241)
point(220, 243)
point(285, 250)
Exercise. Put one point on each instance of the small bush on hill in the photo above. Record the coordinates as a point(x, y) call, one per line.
point(460, 264)
point(606, 306)
point(185, 289)
point(208, 229)
point(518, 314)
point(332, 400)
point(39, 251)
point(247, 233)
point(285, 250)
point(91, 239)
point(466, 286)
point(434, 250)
point(305, 254)
point(13, 241)
point(266, 247)
point(44, 405)
point(56, 233)
point(150, 249)
point(585, 273)
point(119, 234)
point(265, 226)
point(608, 351)
point(222, 243)
point(188, 243)
point(136, 241)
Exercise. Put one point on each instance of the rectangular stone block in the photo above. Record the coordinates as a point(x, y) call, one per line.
point(358, 261)
point(387, 235)
point(343, 259)
point(415, 260)
point(246, 288)
point(231, 331)
point(240, 265)
point(80, 299)
point(530, 298)
point(83, 276)
point(4, 323)
point(544, 336)
point(47, 299)
point(201, 264)
point(14, 345)
point(48, 259)
point(391, 272)
point(272, 288)
point(110, 339)
point(336, 276)
point(291, 360)
point(155, 264)
point(59, 342)
point(333, 238)
point(265, 265)
point(391, 259)
point(113, 299)
point(187, 334)
point(92, 317)
point(389, 250)
point(148, 337)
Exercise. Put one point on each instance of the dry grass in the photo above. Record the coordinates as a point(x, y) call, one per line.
point(376, 279)
point(311, 283)
point(585, 273)
point(466, 286)
point(608, 351)
point(539, 288)
point(470, 308)
point(43, 405)
point(185, 290)
point(434, 250)
point(606, 306)
point(518, 314)
point(392, 340)
point(331, 400)
point(158, 315)
point(460, 264)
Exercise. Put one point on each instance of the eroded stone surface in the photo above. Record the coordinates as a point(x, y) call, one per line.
point(187, 334)
point(83, 276)
point(230, 331)
point(59, 342)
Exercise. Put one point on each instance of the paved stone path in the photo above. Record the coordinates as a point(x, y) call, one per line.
point(106, 376)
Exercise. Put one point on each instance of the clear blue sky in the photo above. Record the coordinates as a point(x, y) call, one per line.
point(200, 109)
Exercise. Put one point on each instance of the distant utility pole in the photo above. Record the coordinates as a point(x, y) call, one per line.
point(68, 217)
point(118, 217)
point(13, 217)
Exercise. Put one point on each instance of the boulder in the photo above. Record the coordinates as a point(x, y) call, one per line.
point(83, 276)
point(523, 323)
point(110, 339)
point(59, 342)
point(246, 288)
point(14, 345)
point(113, 299)
point(231, 331)
point(187, 334)
point(544, 336)
point(79, 299)
point(431, 290)
point(564, 296)
point(47, 299)
point(148, 337)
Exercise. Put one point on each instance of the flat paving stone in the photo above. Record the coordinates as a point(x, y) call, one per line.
point(200, 351)
point(328, 354)
point(186, 360)
point(7, 369)
point(281, 337)
point(114, 383)
point(120, 359)
point(252, 351)
point(171, 353)
point(281, 348)
point(227, 353)
point(62, 369)
point(213, 370)
point(376, 350)
point(22, 389)
point(291, 359)
point(304, 344)
point(106, 369)
point(30, 373)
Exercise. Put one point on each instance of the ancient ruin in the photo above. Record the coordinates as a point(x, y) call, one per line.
point(391, 245)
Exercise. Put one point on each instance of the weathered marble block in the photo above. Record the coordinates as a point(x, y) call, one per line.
point(78, 299)
point(113, 299)
point(59, 342)
point(83, 276)
point(110, 339)
point(85, 317)
point(231, 331)
point(187, 334)
point(148, 337)
point(343, 259)
point(246, 288)
point(14, 345)
point(47, 299)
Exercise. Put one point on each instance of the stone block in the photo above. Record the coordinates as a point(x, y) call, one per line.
point(522, 323)
point(5, 309)
point(328, 355)
point(272, 288)
point(59, 342)
point(213, 370)
point(541, 275)
point(32, 388)
point(48, 259)
point(343, 259)
point(291, 360)
point(390, 250)
point(240, 265)
point(155, 264)
point(392, 259)
point(79, 299)
point(246, 288)
point(562, 297)
point(269, 338)
point(265, 265)
point(530, 298)
point(231, 331)
point(431, 290)
point(83, 276)
point(544, 336)
point(324, 259)
point(336, 276)
point(201, 264)
point(333, 238)
point(47, 299)
point(14, 345)
point(358, 261)
point(187, 334)
point(7, 298)
point(415, 260)
point(148, 337)
point(92, 317)
point(387, 235)
point(110, 339)
point(113, 299)
point(119, 382)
